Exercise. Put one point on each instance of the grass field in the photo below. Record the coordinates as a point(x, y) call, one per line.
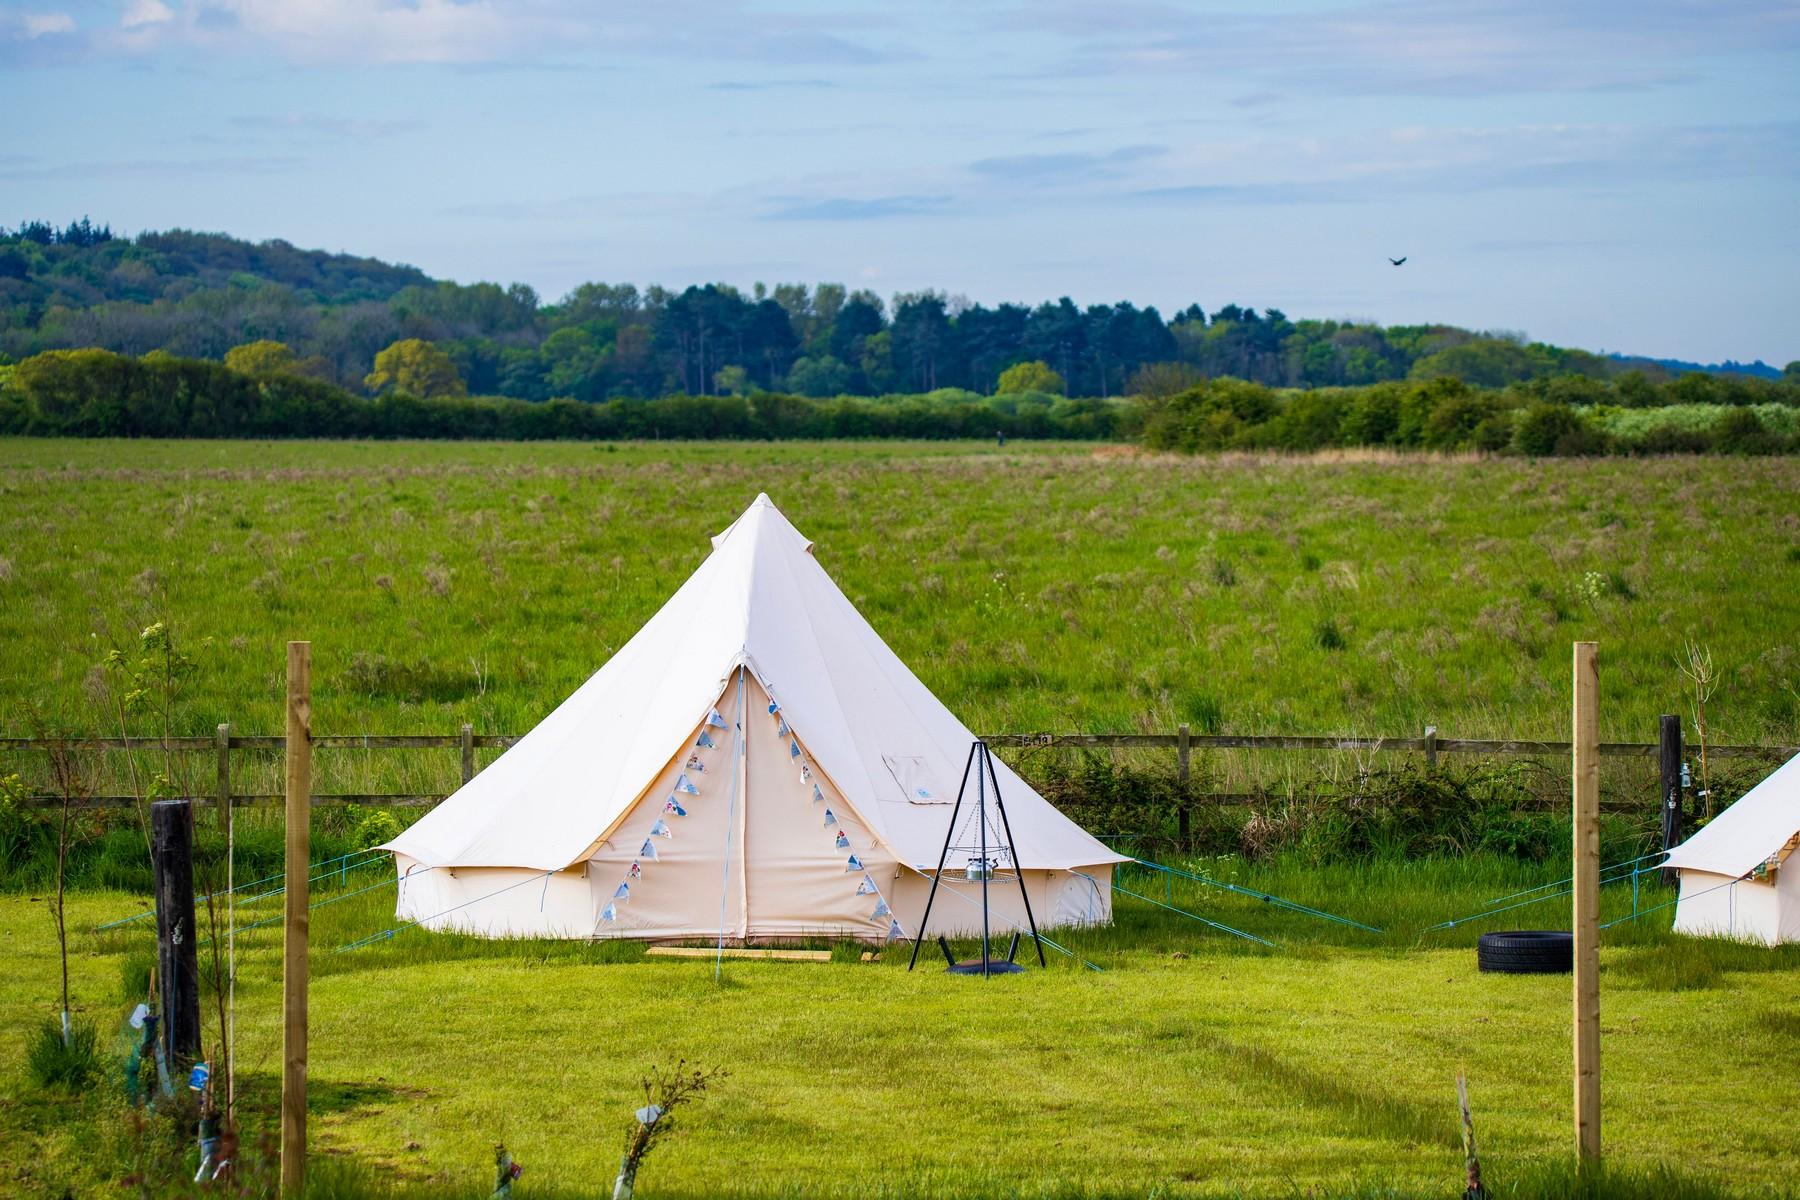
point(1189, 1064)
point(1038, 587)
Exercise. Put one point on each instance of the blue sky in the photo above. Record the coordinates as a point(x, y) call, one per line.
point(1619, 176)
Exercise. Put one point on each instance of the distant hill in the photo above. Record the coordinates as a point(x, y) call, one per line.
point(1675, 366)
point(200, 295)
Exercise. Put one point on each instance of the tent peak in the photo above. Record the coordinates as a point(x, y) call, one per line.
point(762, 519)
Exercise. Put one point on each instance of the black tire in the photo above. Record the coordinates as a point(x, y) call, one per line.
point(1527, 952)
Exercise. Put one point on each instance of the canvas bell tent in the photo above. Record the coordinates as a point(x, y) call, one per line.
point(1739, 875)
point(754, 763)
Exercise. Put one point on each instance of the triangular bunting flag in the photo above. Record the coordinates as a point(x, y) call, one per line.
point(881, 910)
point(866, 887)
point(634, 872)
point(623, 892)
point(661, 829)
point(716, 721)
point(843, 843)
point(894, 933)
point(781, 727)
point(684, 784)
point(830, 818)
point(793, 749)
point(854, 865)
point(705, 742)
point(609, 913)
point(648, 851)
point(818, 796)
point(673, 805)
point(806, 774)
point(694, 764)
point(773, 707)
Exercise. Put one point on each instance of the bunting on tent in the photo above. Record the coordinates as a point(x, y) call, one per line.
point(853, 864)
point(647, 853)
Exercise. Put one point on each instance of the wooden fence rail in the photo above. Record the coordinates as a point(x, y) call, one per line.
point(1182, 741)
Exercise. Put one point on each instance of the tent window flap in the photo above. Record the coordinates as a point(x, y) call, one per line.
point(917, 783)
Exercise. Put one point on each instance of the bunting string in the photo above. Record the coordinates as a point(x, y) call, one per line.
point(694, 768)
point(840, 837)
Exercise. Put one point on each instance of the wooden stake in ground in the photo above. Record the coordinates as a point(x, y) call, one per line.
point(298, 867)
point(1472, 1189)
point(172, 860)
point(1586, 788)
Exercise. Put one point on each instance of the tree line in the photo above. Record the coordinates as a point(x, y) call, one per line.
point(197, 295)
point(98, 393)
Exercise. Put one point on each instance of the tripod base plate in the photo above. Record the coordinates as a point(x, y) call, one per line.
point(994, 967)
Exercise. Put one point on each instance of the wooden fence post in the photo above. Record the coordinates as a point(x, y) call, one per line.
point(295, 927)
point(468, 753)
point(177, 964)
point(222, 752)
point(1586, 788)
point(1431, 747)
point(1183, 832)
point(1670, 757)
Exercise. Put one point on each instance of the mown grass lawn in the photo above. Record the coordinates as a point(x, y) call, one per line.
point(1189, 1064)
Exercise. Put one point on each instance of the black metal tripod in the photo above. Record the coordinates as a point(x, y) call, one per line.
point(982, 864)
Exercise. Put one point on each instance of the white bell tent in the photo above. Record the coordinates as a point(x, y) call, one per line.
point(1737, 879)
point(754, 763)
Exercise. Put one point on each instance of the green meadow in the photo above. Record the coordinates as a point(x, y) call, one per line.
point(1040, 587)
point(1035, 587)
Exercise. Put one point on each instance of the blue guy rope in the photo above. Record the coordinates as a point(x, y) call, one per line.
point(1265, 897)
point(388, 933)
point(1494, 912)
point(322, 903)
point(1249, 937)
point(1635, 914)
point(240, 887)
point(342, 872)
point(1570, 878)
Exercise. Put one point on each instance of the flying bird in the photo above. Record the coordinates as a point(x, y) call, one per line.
point(1398, 261)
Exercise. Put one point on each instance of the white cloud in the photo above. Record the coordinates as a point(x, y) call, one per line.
point(36, 25)
point(139, 13)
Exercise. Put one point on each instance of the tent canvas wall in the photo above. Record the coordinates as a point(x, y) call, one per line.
point(1739, 874)
point(754, 761)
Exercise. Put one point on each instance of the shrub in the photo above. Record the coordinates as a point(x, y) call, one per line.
point(1542, 426)
point(1739, 431)
point(54, 1062)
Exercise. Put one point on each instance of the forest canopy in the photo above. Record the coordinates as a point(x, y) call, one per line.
point(333, 317)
